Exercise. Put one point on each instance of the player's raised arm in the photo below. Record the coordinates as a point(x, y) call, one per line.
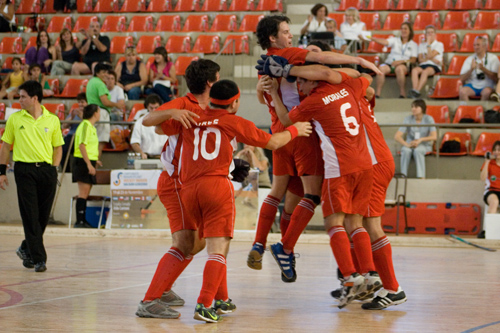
point(333, 58)
point(185, 117)
point(280, 139)
point(281, 110)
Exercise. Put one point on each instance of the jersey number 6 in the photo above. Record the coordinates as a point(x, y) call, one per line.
point(349, 120)
point(206, 155)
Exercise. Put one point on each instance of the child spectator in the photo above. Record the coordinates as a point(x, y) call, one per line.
point(13, 80)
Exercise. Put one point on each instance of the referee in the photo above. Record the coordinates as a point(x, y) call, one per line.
point(37, 152)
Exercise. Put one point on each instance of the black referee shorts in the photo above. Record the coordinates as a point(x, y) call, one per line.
point(81, 172)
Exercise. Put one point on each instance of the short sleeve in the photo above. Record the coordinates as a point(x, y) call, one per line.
point(248, 133)
point(391, 41)
point(300, 112)
point(294, 55)
point(57, 137)
point(422, 48)
point(403, 129)
point(495, 63)
point(430, 121)
point(102, 89)
point(8, 135)
point(440, 48)
point(136, 133)
point(414, 50)
point(466, 65)
point(105, 40)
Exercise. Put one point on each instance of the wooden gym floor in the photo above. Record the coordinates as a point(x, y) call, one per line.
point(94, 284)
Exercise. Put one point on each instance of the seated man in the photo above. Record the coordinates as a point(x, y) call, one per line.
point(144, 140)
point(94, 49)
point(479, 72)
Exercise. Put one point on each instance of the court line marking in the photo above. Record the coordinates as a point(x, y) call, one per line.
point(477, 328)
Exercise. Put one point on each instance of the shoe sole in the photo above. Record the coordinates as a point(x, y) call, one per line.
point(254, 260)
point(283, 275)
point(175, 303)
point(149, 315)
point(198, 316)
point(370, 289)
point(41, 270)
point(221, 312)
point(350, 298)
point(401, 301)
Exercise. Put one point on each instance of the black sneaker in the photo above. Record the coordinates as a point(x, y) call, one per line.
point(82, 224)
point(209, 315)
point(224, 307)
point(40, 267)
point(25, 257)
point(385, 299)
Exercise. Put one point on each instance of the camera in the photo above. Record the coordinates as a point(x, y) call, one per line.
point(480, 76)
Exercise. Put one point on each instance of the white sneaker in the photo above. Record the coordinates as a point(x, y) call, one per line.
point(350, 289)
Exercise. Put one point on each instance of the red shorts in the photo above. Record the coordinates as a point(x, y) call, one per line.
point(382, 176)
point(349, 194)
point(209, 201)
point(295, 186)
point(300, 157)
point(168, 190)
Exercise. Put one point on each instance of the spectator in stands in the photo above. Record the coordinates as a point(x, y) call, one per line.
point(75, 115)
point(131, 74)
point(67, 53)
point(430, 58)
point(162, 75)
point(62, 5)
point(419, 140)
point(116, 94)
point(403, 53)
point(144, 140)
point(496, 95)
point(257, 159)
point(339, 42)
point(7, 16)
point(316, 22)
point(490, 173)
point(13, 80)
point(479, 72)
point(352, 28)
point(43, 54)
point(94, 49)
point(35, 73)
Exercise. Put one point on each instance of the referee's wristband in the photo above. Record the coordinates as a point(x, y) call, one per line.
point(293, 131)
point(3, 169)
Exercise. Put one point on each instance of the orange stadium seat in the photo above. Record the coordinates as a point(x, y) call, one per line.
point(224, 23)
point(56, 108)
point(82, 6)
point(147, 44)
point(2, 111)
point(485, 143)
point(83, 22)
point(118, 140)
point(31, 43)
point(249, 22)
point(242, 6)
point(372, 21)
point(456, 65)
point(468, 4)
point(178, 44)
point(270, 5)
point(464, 139)
point(410, 5)
point(182, 62)
point(133, 6)
point(344, 4)
point(54, 85)
point(206, 44)
point(114, 23)
point(446, 88)
point(135, 108)
point(449, 40)
point(159, 6)
point(214, 6)
point(240, 43)
point(438, 5)
point(423, 19)
point(492, 5)
point(380, 5)
point(7, 64)
point(474, 112)
point(187, 6)
point(487, 20)
point(393, 21)
point(48, 7)
point(141, 24)
point(376, 47)
point(168, 23)
point(457, 20)
point(57, 23)
point(73, 87)
point(11, 45)
point(419, 38)
point(40, 22)
point(496, 44)
point(110, 6)
point(196, 23)
point(371, 58)
point(340, 17)
point(440, 113)
point(468, 41)
point(149, 62)
point(120, 43)
point(29, 7)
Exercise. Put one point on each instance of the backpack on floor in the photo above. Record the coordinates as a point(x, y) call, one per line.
point(450, 146)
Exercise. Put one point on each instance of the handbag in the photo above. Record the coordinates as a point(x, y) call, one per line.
point(165, 83)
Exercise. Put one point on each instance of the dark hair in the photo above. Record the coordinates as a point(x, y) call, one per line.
point(152, 99)
point(411, 30)
point(112, 72)
point(317, 7)
point(61, 40)
point(102, 66)
point(32, 66)
point(39, 43)
point(198, 73)
point(322, 45)
point(18, 60)
point(267, 27)
point(163, 51)
point(223, 90)
point(419, 103)
point(497, 143)
point(32, 88)
point(81, 97)
point(89, 111)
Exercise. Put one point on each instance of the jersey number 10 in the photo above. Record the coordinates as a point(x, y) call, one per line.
point(201, 146)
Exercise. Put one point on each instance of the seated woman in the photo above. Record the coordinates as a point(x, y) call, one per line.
point(67, 53)
point(7, 16)
point(419, 140)
point(403, 53)
point(257, 159)
point(352, 28)
point(316, 22)
point(131, 74)
point(43, 54)
point(161, 75)
point(430, 58)
point(490, 173)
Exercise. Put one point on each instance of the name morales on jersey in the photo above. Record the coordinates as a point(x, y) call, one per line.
point(208, 123)
point(335, 96)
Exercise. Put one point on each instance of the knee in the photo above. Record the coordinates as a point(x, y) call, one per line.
point(314, 198)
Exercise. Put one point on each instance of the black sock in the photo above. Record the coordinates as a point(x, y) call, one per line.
point(81, 208)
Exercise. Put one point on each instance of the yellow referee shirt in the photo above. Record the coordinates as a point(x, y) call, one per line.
point(34, 139)
point(86, 133)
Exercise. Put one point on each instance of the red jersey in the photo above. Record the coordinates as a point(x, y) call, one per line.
point(207, 148)
point(379, 151)
point(170, 154)
point(493, 180)
point(336, 115)
point(287, 91)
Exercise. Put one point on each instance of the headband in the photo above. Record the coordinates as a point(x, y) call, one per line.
point(225, 101)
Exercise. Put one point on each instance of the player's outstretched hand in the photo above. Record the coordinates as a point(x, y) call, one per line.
point(275, 66)
point(370, 65)
point(241, 168)
point(4, 182)
point(304, 128)
point(185, 117)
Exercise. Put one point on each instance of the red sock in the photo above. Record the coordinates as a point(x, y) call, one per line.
point(362, 246)
point(266, 219)
point(301, 216)
point(382, 256)
point(284, 222)
point(169, 268)
point(212, 277)
point(339, 242)
point(354, 258)
point(222, 291)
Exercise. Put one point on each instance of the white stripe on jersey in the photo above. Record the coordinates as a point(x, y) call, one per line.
point(370, 148)
point(332, 167)
point(167, 156)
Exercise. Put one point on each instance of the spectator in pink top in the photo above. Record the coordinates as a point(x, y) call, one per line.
point(161, 75)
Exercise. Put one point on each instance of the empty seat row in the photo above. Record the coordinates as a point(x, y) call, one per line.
point(484, 143)
point(418, 5)
point(441, 113)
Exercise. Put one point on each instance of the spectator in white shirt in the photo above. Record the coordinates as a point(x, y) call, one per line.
point(352, 28)
point(116, 94)
point(430, 57)
point(316, 22)
point(144, 140)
